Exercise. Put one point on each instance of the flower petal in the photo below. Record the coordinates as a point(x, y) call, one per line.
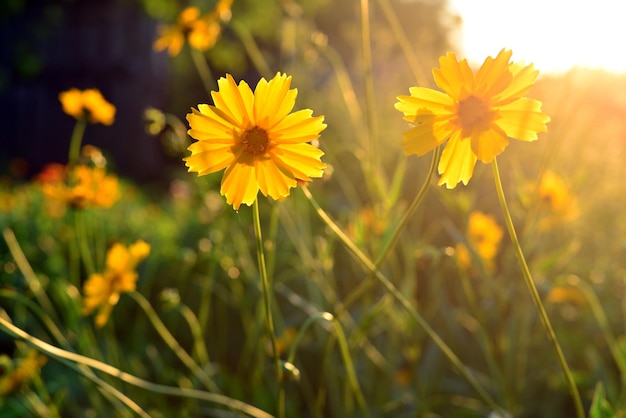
point(427, 135)
point(272, 180)
point(239, 184)
point(424, 101)
point(494, 75)
point(273, 100)
point(235, 101)
point(457, 162)
point(208, 157)
point(210, 124)
point(489, 143)
point(522, 119)
point(301, 160)
point(298, 127)
point(523, 79)
point(454, 77)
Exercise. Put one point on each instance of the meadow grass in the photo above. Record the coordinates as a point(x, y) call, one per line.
point(350, 297)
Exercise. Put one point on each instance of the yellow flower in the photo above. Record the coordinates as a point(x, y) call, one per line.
point(102, 291)
point(256, 139)
point(476, 113)
point(84, 187)
point(24, 371)
point(564, 294)
point(87, 104)
point(555, 198)
point(201, 32)
point(483, 236)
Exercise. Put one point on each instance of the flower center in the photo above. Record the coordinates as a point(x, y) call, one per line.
point(255, 140)
point(472, 112)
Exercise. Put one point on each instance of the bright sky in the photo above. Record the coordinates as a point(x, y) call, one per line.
point(555, 35)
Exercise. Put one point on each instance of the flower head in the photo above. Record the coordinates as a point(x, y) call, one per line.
point(483, 236)
point(201, 31)
point(83, 187)
point(475, 113)
point(87, 104)
point(102, 291)
point(256, 138)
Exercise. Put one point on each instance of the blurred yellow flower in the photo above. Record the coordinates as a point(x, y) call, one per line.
point(102, 291)
point(201, 31)
point(564, 294)
point(556, 200)
point(475, 113)
point(87, 104)
point(84, 187)
point(256, 139)
point(484, 236)
point(21, 373)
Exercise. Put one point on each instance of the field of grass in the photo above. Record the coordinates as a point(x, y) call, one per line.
point(388, 295)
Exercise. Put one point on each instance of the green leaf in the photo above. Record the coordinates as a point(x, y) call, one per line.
point(600, 407)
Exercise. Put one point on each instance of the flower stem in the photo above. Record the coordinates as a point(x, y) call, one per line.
point(545, 321)
point(267, 301)
point(75, 141)
point(169, 339)
point(204, 71)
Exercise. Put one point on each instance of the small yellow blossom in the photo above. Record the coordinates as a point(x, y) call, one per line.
point(564, 294)
point(23, 372)
point(201, 31)
point(556, 202)
point(102, 291)
point(483, 236)
point(476, 113)
point(87, 104)
point(256, 138)
point(83, 187)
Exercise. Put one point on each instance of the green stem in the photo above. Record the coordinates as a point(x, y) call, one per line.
point(267, 301)
point(194, 325)
point(249, 44)
point(371, 268)
point(368, 78)
point(70, 359)
point(83, 240)
point(204, 71)
point(75, 141)
point(169, 339)
point(545, 321)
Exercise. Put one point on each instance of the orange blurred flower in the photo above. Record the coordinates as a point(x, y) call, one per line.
point(201, 31)
point(24, 371)
point(102, 291)
point(483, 236)
point(555, 200)
point(87, 104)
point(82, 187)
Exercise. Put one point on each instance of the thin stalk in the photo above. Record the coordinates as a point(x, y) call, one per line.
point(75, 141)
point(249, 44)
point(169, 339)
point(204, 71)
point(83, 240)
point(368, 79)
point(404, 302)
point(545, 321)
point(267, 301)
point(345, 353)
point(194, 325)
point(67, 357)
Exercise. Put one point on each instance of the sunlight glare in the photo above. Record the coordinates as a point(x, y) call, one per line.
point(555, 35)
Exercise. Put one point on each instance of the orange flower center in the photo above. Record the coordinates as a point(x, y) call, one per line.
point(255, 140)
point(472, 112)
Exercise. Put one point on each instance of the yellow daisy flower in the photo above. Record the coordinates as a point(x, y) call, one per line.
point(475, 113)
point(102, 291)
point(84, 187)
point(256, 138)
point(201, 32)
point(483, 236)
point(87, 104)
